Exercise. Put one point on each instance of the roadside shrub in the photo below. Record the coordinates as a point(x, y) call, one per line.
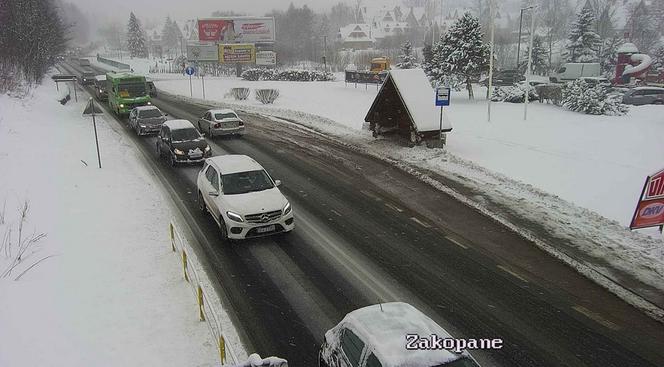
point(580, 96)
point(240, 94)
point(266, 95)
point(295, 75)
point(513, 94)
point(255, 74)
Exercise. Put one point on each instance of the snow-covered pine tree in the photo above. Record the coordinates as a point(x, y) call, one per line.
point(427, 53)
point(609, 56)
point(408, 60)
point(659, 57)
point(539, 59)
point(171, 35)
point(135, 38)
point(460, 54)
point(583, 41)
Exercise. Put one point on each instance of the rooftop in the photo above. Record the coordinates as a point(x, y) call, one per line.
point(234, 163)
point(179, 124)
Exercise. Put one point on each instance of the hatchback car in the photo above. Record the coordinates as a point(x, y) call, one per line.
point(242, 198)
point(180, 142)
point(644, 95)
point(146, 119)
point(221, 122)
point(379, 336)
point(87, 77)
point(504, 78)
point(100, 88)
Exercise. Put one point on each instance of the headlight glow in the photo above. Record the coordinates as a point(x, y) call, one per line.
point(121, 105)
point(287, 209)
point(149, 103)
point(207, 148)
point(178, 151)
point(235, 217)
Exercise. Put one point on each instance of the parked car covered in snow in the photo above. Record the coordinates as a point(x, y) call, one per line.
point(504, 78)
point(388, 335)
point(574, 70)
point(221, 122)
point(644, 95)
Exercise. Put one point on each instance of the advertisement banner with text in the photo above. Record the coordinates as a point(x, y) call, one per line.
point(242, 53)
point(214, 29)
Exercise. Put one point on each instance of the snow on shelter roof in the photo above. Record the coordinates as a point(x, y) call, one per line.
point(418, 96)
point(385, 327)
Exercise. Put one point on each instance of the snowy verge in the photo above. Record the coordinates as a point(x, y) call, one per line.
point(629, 264)
point(110, 293)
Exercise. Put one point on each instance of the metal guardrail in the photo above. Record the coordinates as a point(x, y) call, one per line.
point(113, 63)
point(206, 311)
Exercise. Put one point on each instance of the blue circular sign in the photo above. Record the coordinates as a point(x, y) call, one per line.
point(189, 70)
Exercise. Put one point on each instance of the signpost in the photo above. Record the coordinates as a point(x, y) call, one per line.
point(190, 71)
point(90, 110)
point(649, 210)
point(442, 99)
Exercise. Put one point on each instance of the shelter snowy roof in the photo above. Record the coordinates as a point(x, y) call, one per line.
point(418, 96)
point(385, 327)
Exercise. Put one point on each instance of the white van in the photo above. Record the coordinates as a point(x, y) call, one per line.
point(575, 70)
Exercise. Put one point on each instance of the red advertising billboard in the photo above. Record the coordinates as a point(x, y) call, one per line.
point(213, 29)
point(650, 208)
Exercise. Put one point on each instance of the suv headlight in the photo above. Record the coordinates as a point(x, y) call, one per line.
point(178, 151)
point(121, 105)
point(287, 209)
point(235, 217)
point(207, 148)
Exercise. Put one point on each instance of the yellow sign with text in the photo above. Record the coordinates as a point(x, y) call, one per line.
point(242, 53)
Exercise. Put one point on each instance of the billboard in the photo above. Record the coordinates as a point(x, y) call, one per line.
point(266, 58)
point(650, 208)
point(236, 29)
point(242, 53)
point(202, 52)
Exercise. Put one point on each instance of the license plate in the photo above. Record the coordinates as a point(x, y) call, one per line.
point(195, 156)
point(265, 229)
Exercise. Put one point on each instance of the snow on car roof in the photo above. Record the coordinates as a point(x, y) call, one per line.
point(101, 77)
point(385, 329)
point(234, 163)
point(179, 124)
point(223, 110)
point(145, 108)
point(649, 88)
point(418, 96)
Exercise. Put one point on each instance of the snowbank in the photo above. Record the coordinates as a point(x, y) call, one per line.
point(110, 293)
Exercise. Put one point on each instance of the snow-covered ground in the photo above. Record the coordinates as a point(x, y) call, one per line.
point(110, 292)
point(577, 175)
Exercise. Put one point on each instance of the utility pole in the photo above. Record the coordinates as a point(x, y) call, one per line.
point(489, 94)
point(530, 63)
point(325, 54)
point(518, 46)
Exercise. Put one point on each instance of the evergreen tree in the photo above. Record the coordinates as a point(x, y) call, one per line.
point(659, 57)
point(408, 60)
point(171, 35)
point(427, 53)
point(609, 55)
point(135, 37)
point(583, 41)
point(539, 61)
point(460, 53)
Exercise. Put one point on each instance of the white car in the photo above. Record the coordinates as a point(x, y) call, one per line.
point(242, 198)
point(221, 122)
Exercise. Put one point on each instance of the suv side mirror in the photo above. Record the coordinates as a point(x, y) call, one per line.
point(277, 182)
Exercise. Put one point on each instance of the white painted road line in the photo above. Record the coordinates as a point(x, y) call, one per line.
point(595, 317)
point(371, 195)
point(457, 242)
point(512, 273)
point(394, 207)
point(336, 212)
point(425, 225)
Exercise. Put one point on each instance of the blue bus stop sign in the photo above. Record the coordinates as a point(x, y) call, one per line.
point(189, 70)
point(443, 96)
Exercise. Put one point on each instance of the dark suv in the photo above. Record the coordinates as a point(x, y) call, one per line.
point(180, 142)
point(504, 78)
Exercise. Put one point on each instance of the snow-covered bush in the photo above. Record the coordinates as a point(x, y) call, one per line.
point(294, 75)
point(513, 94)
point(580, 96)
point(240, 93)
point(266, 95)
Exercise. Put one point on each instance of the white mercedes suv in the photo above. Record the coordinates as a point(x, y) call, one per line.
point(242, 198)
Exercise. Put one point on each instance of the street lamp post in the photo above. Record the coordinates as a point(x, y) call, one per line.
point(518, 45)
point(491, 15)
point(530, 64)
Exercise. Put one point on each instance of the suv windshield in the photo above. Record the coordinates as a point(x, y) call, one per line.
point(131, 90)
point(149, 113)
point(243, 182)
point(221, 116)
point(185, 135)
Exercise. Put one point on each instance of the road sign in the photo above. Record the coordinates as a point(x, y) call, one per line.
point(92, 108)
point(443, 96)
point(649, 210)
point(64, 78)
point(189, 70)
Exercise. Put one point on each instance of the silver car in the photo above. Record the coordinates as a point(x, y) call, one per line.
point(221, 122)
point(644, 95)
point(146, 119)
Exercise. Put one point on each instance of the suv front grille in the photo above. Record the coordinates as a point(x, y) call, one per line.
point(263, 217)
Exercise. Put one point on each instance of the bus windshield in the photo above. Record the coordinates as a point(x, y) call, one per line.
point(131, 90)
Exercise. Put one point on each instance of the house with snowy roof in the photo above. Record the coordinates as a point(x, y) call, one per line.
point(356, 36)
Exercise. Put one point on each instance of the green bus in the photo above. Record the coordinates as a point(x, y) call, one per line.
point(126, 91)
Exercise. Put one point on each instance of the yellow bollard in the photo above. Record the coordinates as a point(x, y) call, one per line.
point(172, 233)
point(222, 349)
point(184, 265)
point(201, 313)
